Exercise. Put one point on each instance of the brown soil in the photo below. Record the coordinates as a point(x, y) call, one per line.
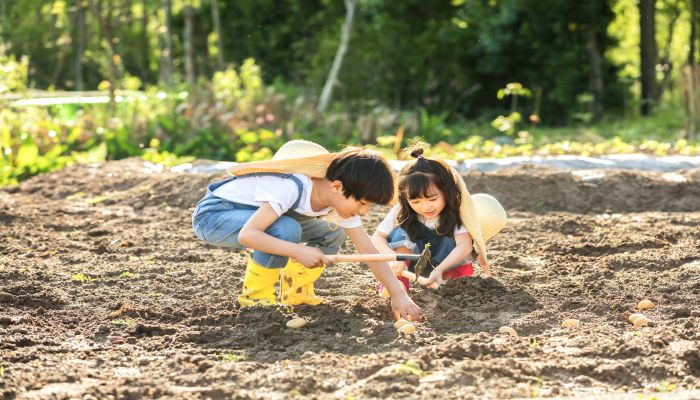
point(155, 316)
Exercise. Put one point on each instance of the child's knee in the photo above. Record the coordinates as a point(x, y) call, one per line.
point(286, 229)
point(336, 238)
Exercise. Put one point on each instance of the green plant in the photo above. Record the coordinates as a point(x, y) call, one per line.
point(124, 321)
point(129, 275)
point(509, 124)
point(82, 278)
point(231, 357)
point(409, 367)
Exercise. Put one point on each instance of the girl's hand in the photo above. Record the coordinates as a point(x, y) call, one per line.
point(484, 265)
point(397, 267)
point(435, 276)
point(311, 257)
point(404, 307)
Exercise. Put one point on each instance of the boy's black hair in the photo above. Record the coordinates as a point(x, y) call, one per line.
point(415, 180)
point(365, 175)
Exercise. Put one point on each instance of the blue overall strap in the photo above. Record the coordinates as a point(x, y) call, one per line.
point(300, 185)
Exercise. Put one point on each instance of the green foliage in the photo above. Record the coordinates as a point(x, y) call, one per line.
point(82, 278)
point(13, 73)
point(129, 275)
point(231, 357)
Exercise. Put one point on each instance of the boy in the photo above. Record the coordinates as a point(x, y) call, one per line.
point(272, 207)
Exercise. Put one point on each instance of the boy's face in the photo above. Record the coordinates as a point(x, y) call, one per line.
point(347, 206)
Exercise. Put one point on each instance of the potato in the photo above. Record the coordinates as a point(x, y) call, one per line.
point(401, 322)
point(407, 328)
point(507, 329)
point(641, 321)
point(633, 317)
point(568, 323)
point(296, 323)
point(645, 305)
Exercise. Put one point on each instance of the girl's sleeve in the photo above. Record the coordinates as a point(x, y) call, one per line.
point(389, 222)
point(461, 229)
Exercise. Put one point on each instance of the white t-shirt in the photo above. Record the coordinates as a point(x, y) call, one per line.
point(391, 221)
point(280, 193)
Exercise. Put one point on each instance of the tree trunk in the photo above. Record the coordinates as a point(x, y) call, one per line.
point(189, 50)
point(694, 13)
point(146, 49)
point(647, 15)
point(327, 92)
point(80, 36)
point(596, 73)
point(105, 24)
point(166, 60)
point(3, 17)
point(217, 29)
point(665, 60)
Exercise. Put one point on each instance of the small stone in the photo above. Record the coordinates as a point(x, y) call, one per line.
point(634, 317)
point(641, 321)
point(401, 322)
point(296, 323)
point(508, 330)
point(645, 305)
point(407, 329)
point(568, 323)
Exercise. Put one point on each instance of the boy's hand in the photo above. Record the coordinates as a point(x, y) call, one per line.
point(405, 308)
point(436, 277)
point(397, 267)
point(311, 257)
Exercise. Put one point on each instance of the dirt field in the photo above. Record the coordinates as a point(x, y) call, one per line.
point(106, 293)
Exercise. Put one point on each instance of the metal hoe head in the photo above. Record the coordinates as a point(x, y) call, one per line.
point(423, 260)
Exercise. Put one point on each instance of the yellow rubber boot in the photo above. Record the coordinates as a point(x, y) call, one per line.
point(259, 285)
point(297, 284)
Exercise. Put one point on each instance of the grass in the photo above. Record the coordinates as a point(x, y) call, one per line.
point(129, 275)
point(124, 321)
point(82, 278)
point(231, 357)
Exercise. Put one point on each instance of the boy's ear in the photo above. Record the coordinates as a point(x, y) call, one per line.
point(337, 186)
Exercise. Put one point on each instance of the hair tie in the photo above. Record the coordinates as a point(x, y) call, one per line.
point(420, 157)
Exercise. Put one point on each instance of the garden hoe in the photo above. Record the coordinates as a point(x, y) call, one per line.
point(421, 261)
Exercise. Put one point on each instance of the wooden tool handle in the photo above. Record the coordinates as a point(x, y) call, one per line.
point(421, 279)
point(372, 257)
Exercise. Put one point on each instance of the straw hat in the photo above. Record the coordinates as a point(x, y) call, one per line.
point(295, 156)
point(481, 214)
point(490, 214)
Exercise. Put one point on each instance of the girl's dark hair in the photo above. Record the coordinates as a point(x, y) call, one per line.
point(365, 175)
point(415, 180)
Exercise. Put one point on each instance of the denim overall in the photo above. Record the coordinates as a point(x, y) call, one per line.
point(218, 222)
point(440, 246)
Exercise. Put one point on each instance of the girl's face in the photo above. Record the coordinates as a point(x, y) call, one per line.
point(430, 206)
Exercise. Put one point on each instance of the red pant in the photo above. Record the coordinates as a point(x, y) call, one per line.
point(454, 273)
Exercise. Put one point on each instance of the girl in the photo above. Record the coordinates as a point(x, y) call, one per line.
point(435, 209)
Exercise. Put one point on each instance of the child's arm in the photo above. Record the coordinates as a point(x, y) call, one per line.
point(401, 304)
point(379, 241)
point(460, 252)
point(253, 236)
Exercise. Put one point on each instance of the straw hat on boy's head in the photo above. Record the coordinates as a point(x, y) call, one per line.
point(295, 156)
